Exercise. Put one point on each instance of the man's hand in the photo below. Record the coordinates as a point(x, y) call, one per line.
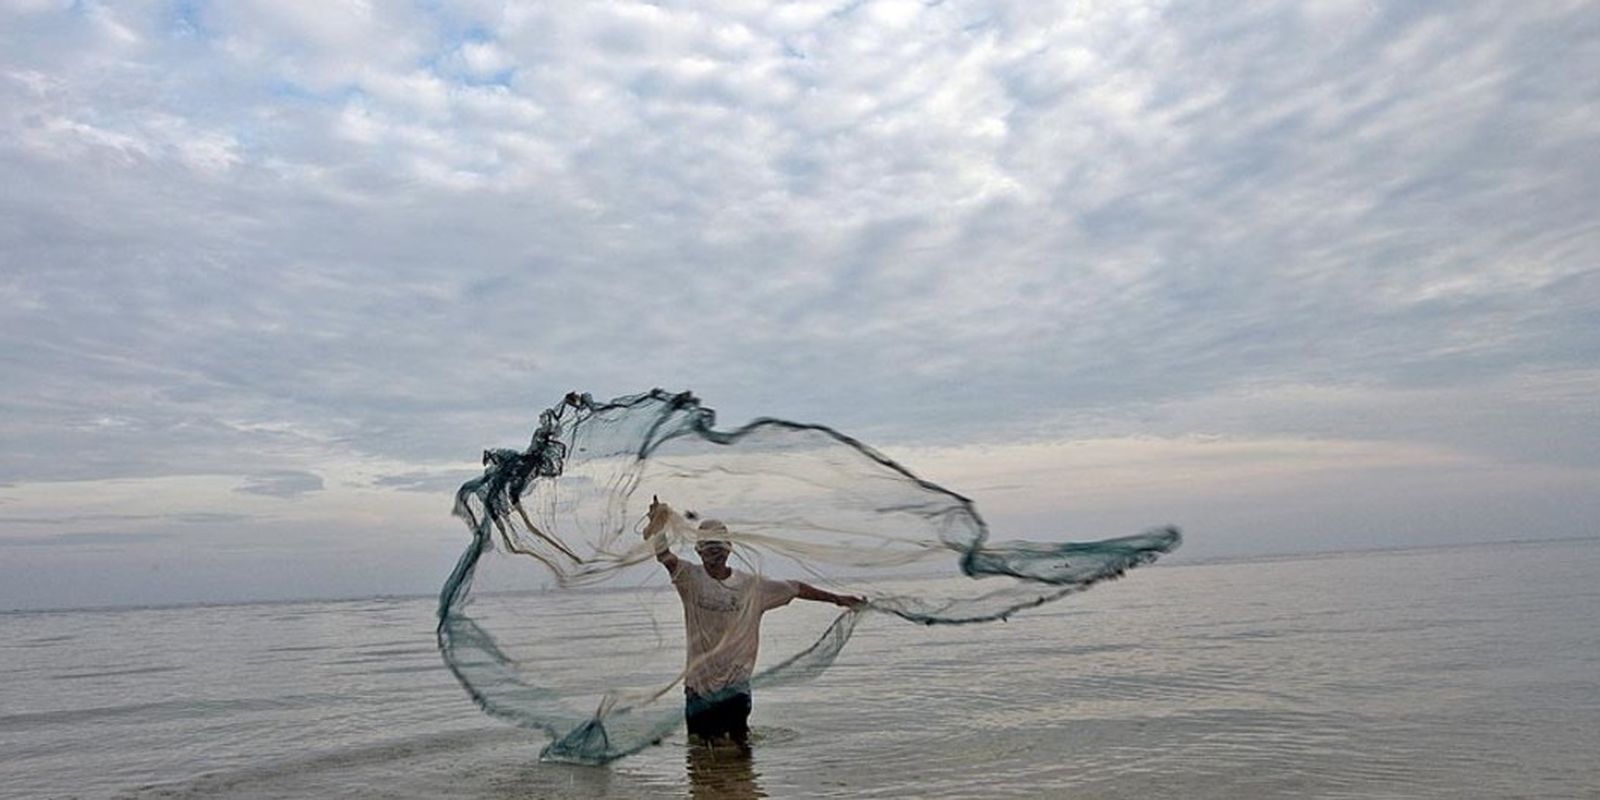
point(659, 514)
point(851, 601)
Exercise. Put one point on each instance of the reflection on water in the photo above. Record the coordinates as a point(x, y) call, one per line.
point(721, 769)
point(1439, 675)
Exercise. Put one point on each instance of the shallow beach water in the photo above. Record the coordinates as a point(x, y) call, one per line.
point(1457, 672)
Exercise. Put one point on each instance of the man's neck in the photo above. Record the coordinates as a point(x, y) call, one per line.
point(721, 573)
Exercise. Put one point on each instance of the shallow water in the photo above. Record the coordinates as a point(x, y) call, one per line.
point(1460, 672)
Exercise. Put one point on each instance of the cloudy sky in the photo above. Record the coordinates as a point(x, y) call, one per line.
point(1295, 276)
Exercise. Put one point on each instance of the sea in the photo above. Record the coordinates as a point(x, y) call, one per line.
point(1460, 672)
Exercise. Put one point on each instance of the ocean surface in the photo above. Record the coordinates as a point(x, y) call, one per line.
point(1463, 672)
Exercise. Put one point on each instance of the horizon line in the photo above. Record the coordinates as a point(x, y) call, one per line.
point(1287, 555)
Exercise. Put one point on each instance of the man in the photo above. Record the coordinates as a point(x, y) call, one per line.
point(722, 611)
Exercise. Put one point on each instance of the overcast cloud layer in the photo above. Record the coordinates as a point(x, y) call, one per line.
point(1295, 276)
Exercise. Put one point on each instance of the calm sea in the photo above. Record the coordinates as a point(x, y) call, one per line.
point(1453, 673)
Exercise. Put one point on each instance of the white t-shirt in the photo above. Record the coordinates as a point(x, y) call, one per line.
point(722, 621)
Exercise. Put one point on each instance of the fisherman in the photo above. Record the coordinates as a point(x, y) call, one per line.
point(722, 610)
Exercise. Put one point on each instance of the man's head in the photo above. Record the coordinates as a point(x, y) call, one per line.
point(711, 543)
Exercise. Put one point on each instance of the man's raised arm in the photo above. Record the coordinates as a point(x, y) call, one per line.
point(660, 513)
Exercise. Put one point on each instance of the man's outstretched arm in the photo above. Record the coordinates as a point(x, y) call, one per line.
point(659, 514)
point(809, 592)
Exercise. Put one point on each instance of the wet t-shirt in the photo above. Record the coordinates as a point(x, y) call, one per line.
point(722, 621)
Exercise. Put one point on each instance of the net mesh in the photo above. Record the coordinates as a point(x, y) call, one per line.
point(801, 504)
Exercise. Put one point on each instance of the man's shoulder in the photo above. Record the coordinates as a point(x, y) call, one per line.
point(692, 575)
point(682, 572)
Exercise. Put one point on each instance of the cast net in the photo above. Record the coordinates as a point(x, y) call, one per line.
point(558, 545)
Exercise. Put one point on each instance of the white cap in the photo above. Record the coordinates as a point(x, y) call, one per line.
point(712, 532)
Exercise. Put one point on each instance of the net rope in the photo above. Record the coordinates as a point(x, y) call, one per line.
point(797, 502)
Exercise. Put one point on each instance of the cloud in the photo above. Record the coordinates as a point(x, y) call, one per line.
point(282, 483)
point(209, 517)
point(262, 238)
point(85, 540)
point(432, 482)
point(187, 517)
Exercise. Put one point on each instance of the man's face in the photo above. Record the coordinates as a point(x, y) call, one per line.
point(712, 553)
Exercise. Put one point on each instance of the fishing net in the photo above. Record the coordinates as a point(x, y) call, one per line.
point(562, 524)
